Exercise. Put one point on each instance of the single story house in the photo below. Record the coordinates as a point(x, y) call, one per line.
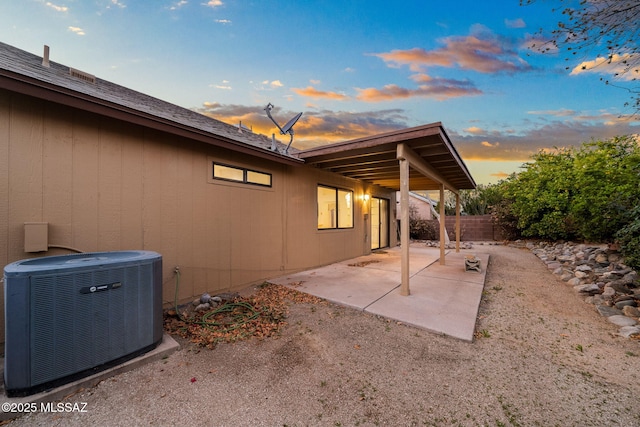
point(87, 165)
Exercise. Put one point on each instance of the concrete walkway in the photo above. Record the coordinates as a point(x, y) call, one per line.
point(444, 298)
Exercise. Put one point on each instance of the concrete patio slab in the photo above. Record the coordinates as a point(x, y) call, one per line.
point(454, 268)
point(351, 286)
point(435, 304)
point(444, 298)
point(389, 259)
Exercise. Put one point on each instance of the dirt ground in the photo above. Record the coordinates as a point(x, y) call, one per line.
point(541, 357)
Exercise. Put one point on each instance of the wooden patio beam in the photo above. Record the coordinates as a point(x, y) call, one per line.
point(405, 152)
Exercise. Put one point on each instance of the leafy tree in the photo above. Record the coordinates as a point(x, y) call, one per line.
point(542, 196)
point(501, 212)
point(607, 179)
point(480, 200)
point(599, 33)
point(472, 202)
point(449, 204)
point(588, 193)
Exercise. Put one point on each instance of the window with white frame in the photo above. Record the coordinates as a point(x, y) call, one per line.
point(335, 208)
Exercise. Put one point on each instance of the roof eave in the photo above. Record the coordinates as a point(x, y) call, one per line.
point(389, 141)
point(36, 88)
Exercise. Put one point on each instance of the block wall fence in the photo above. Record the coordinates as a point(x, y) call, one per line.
point(473, 228)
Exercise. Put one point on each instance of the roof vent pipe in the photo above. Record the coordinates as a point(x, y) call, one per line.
point(45, 57)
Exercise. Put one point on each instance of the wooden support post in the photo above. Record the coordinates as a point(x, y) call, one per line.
point(457, 222)
point(404, 226)
point(443, 229)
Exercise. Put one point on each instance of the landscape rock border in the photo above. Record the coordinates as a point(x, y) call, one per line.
point(597, 273)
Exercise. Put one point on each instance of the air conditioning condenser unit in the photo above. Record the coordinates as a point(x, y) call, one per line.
point(69, 316)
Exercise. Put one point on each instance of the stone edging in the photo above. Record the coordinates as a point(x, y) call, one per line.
point(597, 273)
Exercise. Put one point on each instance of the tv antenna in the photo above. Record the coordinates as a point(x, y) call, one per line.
point(286, 129)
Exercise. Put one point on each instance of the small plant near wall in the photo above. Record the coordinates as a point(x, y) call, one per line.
point(420, 228)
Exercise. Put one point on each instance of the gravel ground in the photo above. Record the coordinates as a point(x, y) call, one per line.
point(542, 357)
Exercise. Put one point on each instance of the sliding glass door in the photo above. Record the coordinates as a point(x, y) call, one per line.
point(379, 223)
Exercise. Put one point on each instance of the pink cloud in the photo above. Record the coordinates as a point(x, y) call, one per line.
point(436, 88)
point(312, 92)
point(482, 53)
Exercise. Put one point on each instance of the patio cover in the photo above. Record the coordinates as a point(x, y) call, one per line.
point(419, 158)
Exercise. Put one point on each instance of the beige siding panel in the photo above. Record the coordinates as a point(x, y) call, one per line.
point(58, 175)
point(151, 195)
point(301, 217)
point(5, 115)
point(25, 174)
point(199, 220)
point(256, 235)
point(23, 171)
point(272, 231)
point(161, 206)
point(184, 205)
point(132, 190)
point(109, 188)
point(243, 256)
point(86, 136)
point(219, 233)
point(172, 224)
point(4, 193)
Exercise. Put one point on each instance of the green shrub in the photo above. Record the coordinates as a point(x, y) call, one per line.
point(606, 180)
point(629, 239)
point(420, 228)
point(423, 229)
point(541, 195)
point(584, 193)
point(480, 200)
point(501, 212)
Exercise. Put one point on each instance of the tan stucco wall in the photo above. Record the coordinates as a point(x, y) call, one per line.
point(105, 185)
point(423, 210)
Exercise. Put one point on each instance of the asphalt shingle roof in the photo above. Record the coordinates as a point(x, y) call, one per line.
point(58, 76)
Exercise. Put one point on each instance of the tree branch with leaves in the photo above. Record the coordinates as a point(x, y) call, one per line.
point(597, 36)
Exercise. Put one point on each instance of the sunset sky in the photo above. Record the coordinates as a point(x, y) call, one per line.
point(353, 68)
